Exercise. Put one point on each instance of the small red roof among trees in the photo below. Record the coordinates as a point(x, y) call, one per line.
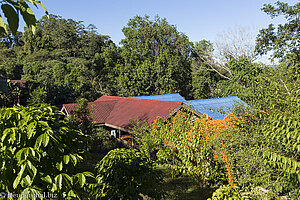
point(118, 112)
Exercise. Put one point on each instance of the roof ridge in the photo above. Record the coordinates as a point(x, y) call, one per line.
point(131, 99)
point(213, 98)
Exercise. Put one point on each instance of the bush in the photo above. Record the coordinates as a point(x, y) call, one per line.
point(127, 174)
point(39, 152)
point(226, 192)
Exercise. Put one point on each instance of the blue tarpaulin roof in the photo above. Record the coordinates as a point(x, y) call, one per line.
point(216, 108)
point(163, 97)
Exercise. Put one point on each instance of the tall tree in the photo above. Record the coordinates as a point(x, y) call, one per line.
point(204, 76)
point(282, 41)
point(234, 44)
point(62, 59)
point(156, 58)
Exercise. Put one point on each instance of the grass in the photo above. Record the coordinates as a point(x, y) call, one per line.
point(183, 188)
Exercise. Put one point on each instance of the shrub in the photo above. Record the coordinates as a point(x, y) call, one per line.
point(127, 174)
point(188, 146)
point(39, 152)
point(226, 192)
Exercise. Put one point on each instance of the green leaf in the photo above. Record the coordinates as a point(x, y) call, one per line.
point(19, 154)
point(32, 168)
point(58, 181)
point(81, 179)
point(74, 159)
point(59, 166)
point(45, 139)
point(66, 159)
point(44, 123)
point(88, 174)
point(41, 4)
point(31, 129)
point(27, 14)
point(3, 28)
point(22, 170)
point(16, 182)
point(38, 142)
point(27, 180)
point(13, 133)
point(68, 179)
point(12, 17)
point(47, 179)
point(72, 194)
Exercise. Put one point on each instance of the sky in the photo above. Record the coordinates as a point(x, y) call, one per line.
point(198, 19)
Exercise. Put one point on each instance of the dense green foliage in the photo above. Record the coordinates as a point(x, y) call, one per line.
point(273, 151)
point(62, 61)
point(226, 192)
point(39, 152)
point(156, 58)
point(127, 174)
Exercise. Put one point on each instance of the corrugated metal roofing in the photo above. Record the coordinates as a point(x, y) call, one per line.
point(163, 97)
point(101, 110)
point(119, 111)
point(216, 108)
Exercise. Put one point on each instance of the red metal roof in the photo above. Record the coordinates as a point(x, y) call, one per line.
point(119, 111)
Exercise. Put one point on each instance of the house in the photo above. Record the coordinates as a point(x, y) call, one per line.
point(215, 108)
point(117, 113)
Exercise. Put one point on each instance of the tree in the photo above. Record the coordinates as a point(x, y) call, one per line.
point(11, 8)
point(234, 44)
point(204, 76)
point(155, 58)
point(283, 41)
point(204, 60)
point(243, 79)
point(214, 58)
point(64, 56)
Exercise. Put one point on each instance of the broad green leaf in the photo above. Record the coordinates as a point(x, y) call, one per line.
point(32, 168)
point(19, 154)
point(66, 159)
point(32, 151)
point(27, 180)
point(16, 182)
point(27, 14)
point(89, 174)
point(74, 159)
point(68, 179)
point(44, 123)
point(45, 139)
point(47, 179)
point(23, 167)
point(58, 181)
point(4, 134)
point(3, 27)
point(42, 5)
point(81, 179)
point(72, 194)
point(31, 129)
point(38, 142)
point(12, 17)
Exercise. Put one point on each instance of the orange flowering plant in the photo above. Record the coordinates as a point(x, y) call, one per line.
point(187, 145)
